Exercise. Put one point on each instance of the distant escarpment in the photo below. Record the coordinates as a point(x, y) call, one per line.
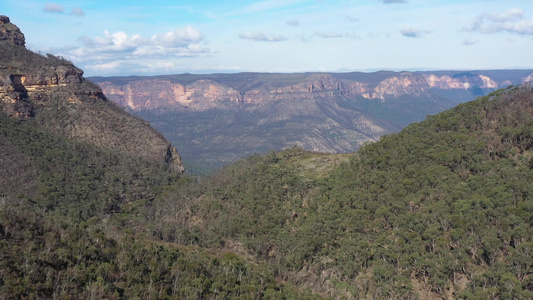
point(53, 92)
point(202, 92)
point(220, 118)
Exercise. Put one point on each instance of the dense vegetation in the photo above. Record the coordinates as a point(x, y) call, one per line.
point(44, 258)
point(441, 210)
point(68, 213)
point(17, 57)
point(75, 177)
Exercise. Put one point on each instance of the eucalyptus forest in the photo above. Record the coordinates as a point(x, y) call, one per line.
point(442, 209)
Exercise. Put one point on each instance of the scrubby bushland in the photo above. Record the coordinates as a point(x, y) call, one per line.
point(443, 209)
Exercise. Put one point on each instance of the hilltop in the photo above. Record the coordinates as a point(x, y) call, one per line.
point(52, 92)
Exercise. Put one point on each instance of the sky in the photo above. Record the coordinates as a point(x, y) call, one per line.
point(129, 37)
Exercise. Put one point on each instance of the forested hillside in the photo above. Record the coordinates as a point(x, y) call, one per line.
point(69, 225)
point(443, 209)
point(76, 175)
point(94, 205)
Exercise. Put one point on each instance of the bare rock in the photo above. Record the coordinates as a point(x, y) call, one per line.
point(4, 20)
point(54, 93)
point(10, 32)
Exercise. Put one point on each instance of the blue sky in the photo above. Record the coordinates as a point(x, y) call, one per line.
point(118, 37)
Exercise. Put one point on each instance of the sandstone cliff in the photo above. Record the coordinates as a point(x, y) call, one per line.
point(220, 118)
point(10, 32)
point(203, 94)
point(53, 92)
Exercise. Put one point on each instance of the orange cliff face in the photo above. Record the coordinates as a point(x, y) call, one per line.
point(22, 90)
point(142, 94)
point(223, 117)
point(204, 94)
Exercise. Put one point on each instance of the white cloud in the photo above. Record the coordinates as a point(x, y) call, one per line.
point(118, 41)
point(105, 66)
point(411, 32)
point(156, 67)
point(182, 36)
point(53, 7)
point(329, 35)
point(512, 14)
point(150, 50)
point(512, 21)
point(77, 11)
point(260, 36)
point(106, 51)
point(337, 35)
point(293, 22)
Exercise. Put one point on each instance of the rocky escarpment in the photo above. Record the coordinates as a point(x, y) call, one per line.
point(203, 94)
point(10, 32)
point(220, 118)
point(53, 92)
point(199, 95)
point(22, 89)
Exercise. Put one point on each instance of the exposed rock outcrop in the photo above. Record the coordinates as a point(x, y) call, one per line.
point(53, 92)
point(220, 118)
point(528, 78)
point(10, 32)
point(203, 94)
point(199, 95)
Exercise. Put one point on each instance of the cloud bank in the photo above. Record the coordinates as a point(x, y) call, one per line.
point(262, 37)
point(329, 35)
point(511, 21)
point(115, 50)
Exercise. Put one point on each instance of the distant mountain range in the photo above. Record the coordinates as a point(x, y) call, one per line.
point(219, 118)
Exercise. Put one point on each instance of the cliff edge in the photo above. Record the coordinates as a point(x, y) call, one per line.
point(51, 91)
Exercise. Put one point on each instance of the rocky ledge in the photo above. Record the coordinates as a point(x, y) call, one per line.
point(10, 32)
point(54, 93)
point(205, 94)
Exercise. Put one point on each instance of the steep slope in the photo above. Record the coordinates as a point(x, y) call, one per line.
point(71, 191)
point(77, 179)
point(220, 118)
point(70, 228)
point(54, 93)
point(443, 209)
point(63, 145)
